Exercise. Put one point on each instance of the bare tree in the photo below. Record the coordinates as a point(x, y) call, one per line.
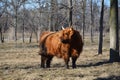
point(23, 24)
point(16, 4)
point(31, 16)
point(92, 21)
point(33, 24)
point(53, 15)
point(101, 29)
point(2, 9)
point(84, 11)
point(70, 12)
point(114, 31)
point(4, 19)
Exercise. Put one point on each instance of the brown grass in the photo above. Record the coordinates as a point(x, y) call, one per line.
point(22, 62)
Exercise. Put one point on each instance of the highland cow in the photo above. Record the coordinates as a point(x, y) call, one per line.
point(63, 44)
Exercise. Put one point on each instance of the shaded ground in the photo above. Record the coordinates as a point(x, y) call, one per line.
point(21, 62)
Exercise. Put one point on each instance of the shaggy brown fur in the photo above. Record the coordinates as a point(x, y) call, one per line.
point(63, 44)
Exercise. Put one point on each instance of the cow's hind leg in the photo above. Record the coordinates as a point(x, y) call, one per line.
point(49, 59)
point(74, 62)
point(42, 50)
point(43, 60)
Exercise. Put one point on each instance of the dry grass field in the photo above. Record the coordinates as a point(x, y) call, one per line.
point(22, 62)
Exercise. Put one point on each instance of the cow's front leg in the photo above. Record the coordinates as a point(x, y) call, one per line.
point(66, 59)
point(74, 62)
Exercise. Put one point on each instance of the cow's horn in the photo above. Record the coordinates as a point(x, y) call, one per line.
point(63, 28)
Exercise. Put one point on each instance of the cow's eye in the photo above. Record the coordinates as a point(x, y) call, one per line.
point(66, 34)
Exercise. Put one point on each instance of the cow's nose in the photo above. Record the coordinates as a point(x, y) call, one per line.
point(65, 41)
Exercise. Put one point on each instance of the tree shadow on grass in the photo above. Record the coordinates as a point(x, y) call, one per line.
point(89, 64)
point(37, 65)
point(19, 66)
point(95, 64)
point(109, 78)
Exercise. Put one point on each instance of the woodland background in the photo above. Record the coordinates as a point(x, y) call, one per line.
point(24, 19)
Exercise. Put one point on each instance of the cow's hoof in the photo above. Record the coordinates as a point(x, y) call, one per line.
point(73, 66)
point(42, 66)
point(67, 67)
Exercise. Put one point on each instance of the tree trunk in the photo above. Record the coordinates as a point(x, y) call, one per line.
point(91, 26)
point(70, 13)
point(53, 17)
point(101, 29)
point(23, 27)
point(16, 24)
point(23, 32)
point(30, 39)
point(36, 33)
point(1, 36)
point(114, 31)
point(84, 7)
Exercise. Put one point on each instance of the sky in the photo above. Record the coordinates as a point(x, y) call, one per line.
point(107, 2)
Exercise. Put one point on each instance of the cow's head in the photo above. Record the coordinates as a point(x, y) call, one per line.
point(66, 34)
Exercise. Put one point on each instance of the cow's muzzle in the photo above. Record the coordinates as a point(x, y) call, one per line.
point(65, 41)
